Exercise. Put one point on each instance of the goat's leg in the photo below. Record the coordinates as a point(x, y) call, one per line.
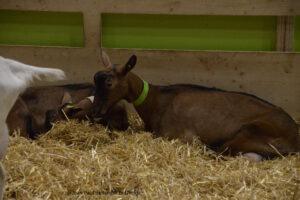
point(2, 181)
point(3, 147)
point(29, 127)
point(253, 156)
point(260, 139)
point(248, 142)
point(3, 140)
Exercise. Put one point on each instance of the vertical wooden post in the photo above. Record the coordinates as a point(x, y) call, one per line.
point(285, 33)
point(92, 32)
point(289, 38)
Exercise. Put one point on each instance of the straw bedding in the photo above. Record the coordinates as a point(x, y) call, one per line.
point(82, 161)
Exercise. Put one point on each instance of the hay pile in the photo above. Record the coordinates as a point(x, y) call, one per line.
point(80, 161)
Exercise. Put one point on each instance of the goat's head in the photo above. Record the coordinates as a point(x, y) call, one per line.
point(111, 84)
point(68, 110)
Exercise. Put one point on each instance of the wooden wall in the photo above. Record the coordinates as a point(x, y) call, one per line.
point(274, 76)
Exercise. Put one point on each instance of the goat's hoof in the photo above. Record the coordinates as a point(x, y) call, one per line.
point(254, 157)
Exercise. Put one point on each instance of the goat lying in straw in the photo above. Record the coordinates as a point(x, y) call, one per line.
point(228, 122)
point(37, 108)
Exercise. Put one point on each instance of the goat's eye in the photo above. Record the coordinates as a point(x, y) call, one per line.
point(100, 78)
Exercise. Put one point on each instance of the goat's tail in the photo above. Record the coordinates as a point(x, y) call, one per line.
point(2, 180)
point(28, 73)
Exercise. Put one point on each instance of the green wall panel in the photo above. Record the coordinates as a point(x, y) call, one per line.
point(297, 34)
point(245, 33)
point(41, 28)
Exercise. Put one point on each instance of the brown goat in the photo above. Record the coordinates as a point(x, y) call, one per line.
point(38, 107)
point(116, 118)
point(228, 122)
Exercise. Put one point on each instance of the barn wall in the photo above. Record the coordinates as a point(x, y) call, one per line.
point(272, 75)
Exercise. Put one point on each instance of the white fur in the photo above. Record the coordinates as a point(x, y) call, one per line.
point(253, 157)
point(15, 77)
point(91, 98)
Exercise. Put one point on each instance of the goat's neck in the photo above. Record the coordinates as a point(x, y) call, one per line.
point(148, 108)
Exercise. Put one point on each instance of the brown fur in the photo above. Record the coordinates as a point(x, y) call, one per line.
point(38, 107)
point(228, 122)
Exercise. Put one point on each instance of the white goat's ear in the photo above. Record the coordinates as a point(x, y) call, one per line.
point(105, 60)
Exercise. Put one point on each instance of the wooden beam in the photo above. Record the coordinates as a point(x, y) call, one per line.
point(285, 33)
point(181, 7)
point(280, 43)
point(205, 7)
point(289, 34)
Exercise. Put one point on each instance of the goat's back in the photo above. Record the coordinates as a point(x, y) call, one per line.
point(216, 115)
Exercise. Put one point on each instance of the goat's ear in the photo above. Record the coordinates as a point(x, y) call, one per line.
point(128, 66)
point(105, 60)
point(66, 98)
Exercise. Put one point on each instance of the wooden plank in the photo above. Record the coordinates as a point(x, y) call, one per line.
point(289, 34)
point(47, 5)
point(285, 33)
point(184, 7)
point(204, 7)
point(280, 43)
point(92, 29)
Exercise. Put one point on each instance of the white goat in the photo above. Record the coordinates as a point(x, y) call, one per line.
point(15, 77)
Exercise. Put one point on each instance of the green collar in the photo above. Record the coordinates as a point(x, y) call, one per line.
point(143, 95)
